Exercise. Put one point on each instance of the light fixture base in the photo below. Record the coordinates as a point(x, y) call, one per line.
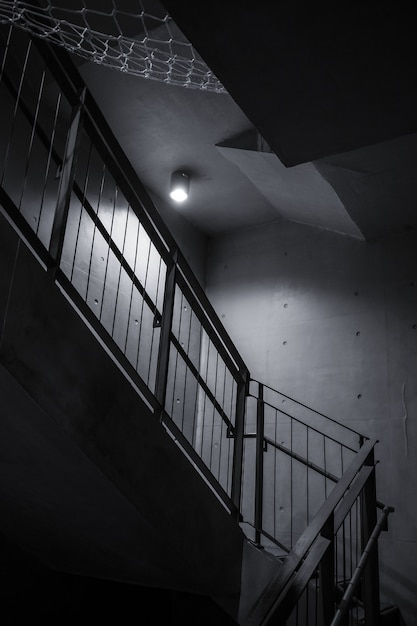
point(180, 186)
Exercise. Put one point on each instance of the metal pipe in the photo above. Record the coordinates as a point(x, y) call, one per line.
point(356, 578)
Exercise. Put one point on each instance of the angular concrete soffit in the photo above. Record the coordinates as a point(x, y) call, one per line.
point(299, 194)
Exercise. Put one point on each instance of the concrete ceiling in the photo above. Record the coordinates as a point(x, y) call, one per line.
point(331, 91)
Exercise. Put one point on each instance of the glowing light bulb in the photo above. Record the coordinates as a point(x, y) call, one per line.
point(180, 186)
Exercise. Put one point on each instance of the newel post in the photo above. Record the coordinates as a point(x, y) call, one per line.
point(259, 471)
point(238, 433)
point(370, 581)
point(327, 574)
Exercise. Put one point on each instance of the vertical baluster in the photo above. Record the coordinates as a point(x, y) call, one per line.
point(49, 159)
point(77, 236)
point(351, 554)
point(31, 141)
point(327, 574)
point(275, 453)
point(109, 238)
point(155, 326)
point(344, 578)
point(202, 396)
point(307, 488)
point(145, 282)
point(222, 424)
point(291, 486)
point(165, 336)
point(194, 405)
point(174, 382)
point(6, 51)
point(132, 290)
point(15, 111)
point(259, 471)
point(371, 575)
point(66, 182)
point(90, 260)
point(242, 386)
point(233, 404)
point(187, 350)
point(358, 543)
point(213, 412)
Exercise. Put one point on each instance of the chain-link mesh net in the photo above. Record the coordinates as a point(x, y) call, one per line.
point(133, 36)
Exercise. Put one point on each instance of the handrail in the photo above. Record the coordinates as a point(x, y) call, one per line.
point(301, 459)
point(274, 592)
point(299, 421)
point(292, 442)
point(305, 406)
point(348, 596)
point(326, 510)
point(314, 553)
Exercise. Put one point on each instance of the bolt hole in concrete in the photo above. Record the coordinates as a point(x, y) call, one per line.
point(356, 293)
point(358, 333)
point(284, 343)
point(285, 306)
point(359, 396)
point(414, 326)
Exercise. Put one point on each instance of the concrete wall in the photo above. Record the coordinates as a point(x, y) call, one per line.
point(332, 321)
point(190, 240)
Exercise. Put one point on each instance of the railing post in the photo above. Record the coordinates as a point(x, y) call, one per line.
point(242, 391)
point(370, 584)
point(327, 575)
point(65, 183)
point(165, 336)
point(259, 475)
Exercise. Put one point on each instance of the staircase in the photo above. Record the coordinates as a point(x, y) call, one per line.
point(283, 495)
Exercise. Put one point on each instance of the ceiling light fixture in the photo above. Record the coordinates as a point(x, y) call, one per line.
point(180, 186)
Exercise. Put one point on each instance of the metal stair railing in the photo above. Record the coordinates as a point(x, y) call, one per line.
point(298, 455)
point(73, 197)
point(338, 545)
point(71, 193)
